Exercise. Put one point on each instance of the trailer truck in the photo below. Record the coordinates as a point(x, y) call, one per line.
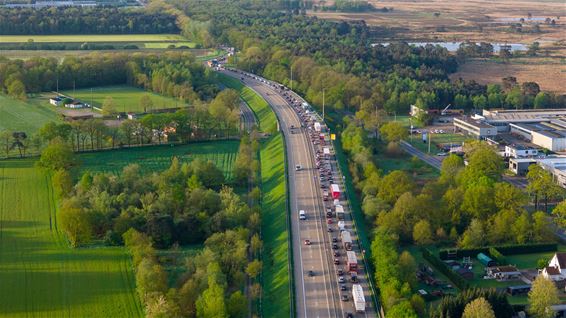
point(352, 261)
point(346, 240)
point(335, 191)
point(359, 299)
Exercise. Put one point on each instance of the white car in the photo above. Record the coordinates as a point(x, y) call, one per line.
point(302, 215)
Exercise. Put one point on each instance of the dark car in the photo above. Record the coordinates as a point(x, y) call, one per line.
point(334, 239)
point(334, 246)
point(343, 287)
point(344, 297)
point(336, 254)
point(311, 273)
point(349, 315)
point(336, 261)
point(340, 272)
point(329, 229)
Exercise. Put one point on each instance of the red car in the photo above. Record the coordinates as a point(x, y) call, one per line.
point(329, 221)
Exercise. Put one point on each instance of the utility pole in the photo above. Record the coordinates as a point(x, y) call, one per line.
point(429, 140)
point(57, 85)
point(323, 104)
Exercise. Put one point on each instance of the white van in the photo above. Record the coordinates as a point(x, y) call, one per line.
point(302, 215)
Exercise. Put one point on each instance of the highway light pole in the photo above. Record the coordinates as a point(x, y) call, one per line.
point(291, 84)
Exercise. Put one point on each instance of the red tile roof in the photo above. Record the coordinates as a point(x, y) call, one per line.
point(552, 270)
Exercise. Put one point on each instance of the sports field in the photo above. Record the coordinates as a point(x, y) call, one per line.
point(126, 98)
point(158, 158)
point(29, 116)
point(93, 38)
point(40, 275)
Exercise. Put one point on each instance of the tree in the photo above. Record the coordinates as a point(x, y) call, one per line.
point(254, 269)
point(237, 305)
point(451, 166)
point(62, 183)
point(478, 308)
point(75, 222)
point(401, 310)
point(146, 103)
point(509, 197)
point(543, 294)
point(150, 278)
point(474, 236)
point(393, 185)
point(407, 269)
point(5, 142)
point(542, 100)
point(56, 156)
point(559, 213)
point(211, 303)
point(422, 233)
point(108, 106)
point(542, 227)
point(17, 90)
point(393, 131)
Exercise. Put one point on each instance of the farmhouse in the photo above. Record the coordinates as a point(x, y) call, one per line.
point(556, 269)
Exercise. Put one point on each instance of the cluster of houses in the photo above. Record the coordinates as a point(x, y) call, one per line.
point(67, 102)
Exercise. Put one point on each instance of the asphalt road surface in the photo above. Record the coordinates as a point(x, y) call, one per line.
point(247, 118)
point(317, 295)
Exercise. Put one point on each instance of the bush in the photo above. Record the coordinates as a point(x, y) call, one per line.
point(503, 249)
point(456, 279)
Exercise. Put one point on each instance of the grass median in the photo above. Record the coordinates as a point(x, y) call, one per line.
point(276, 284)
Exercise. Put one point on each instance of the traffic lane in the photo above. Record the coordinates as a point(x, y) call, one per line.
point(286, 112)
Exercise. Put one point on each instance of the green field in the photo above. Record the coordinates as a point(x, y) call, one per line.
point(93, 38)
point(158, 158)
point(29, 116)
point(41, 276)
point(276, 283)
point(126, 98)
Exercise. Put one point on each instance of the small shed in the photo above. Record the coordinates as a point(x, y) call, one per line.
point(486, 260)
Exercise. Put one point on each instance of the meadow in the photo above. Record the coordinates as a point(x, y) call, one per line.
point(276, 275)
point(41, 275)
point(28, 116)
point(158, 158)
point(126, 98)
point(92, 38)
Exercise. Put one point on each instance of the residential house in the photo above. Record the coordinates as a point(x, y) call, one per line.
point(556, 269)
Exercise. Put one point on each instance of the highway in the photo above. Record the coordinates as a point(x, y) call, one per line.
point(247, 118)
point(319, 294)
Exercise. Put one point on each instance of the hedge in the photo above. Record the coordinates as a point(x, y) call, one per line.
point(456, 279)
point(497, 256)
point(503, 249)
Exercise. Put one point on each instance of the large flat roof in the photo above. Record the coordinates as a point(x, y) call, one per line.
point(526, 115)
point(476, 123)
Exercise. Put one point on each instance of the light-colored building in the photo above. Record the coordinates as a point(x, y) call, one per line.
point(556, 269)
point(76, 105)
point(56, 101)
point(477, 128)
point(557, 167)
point(520, 151)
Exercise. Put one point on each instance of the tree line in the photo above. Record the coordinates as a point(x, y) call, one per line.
point(174, 74)
point(84, 20)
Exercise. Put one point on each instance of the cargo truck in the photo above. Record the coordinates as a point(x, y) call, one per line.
point(346, 240)
point(352, 261)
point(317, 126)
point(341, 226)
point(359, 299)
point(340, 212)
point(335, 191)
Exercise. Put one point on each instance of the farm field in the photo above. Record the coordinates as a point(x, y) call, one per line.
point(28, 116)
point(158, 158)
point(61, 54)
point(126, 98)
point(41, 276)
point(550, 74)
point(480, 20)
point(93, 38)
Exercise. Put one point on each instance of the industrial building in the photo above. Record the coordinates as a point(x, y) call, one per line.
point(477, 128)
point(556, 166)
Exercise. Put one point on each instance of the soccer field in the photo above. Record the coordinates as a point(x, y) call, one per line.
point(29, 116)
point(126, 98)
point(40, 275)
point(158, 158)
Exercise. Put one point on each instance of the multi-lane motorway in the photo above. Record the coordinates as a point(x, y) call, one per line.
point(317, 286)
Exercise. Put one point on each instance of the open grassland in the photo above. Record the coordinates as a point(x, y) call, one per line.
point(158, 158)
point(479, 20)
point(41, 276)
point(28, 116)
point(92, 38)
point(275, 232)
point(126, 98)
point(200, 54)
point(550, 74)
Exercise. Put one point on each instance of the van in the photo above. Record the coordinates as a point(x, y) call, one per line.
point(302, 215)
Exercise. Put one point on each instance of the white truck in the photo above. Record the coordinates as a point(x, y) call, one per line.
point(341, 226)
point(359, 299)
point(317, 126)
point(346, 240)
point(340, 212)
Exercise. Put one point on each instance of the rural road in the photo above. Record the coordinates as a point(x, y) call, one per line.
point(319, 295)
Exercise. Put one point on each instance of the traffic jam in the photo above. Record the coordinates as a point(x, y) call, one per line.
point(345, 262)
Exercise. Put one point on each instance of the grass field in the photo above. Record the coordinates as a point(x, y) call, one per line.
point(29, 116)
point(93, 38)
point(126, 98)
point(200, 54)
point(41, 276)
point(275, 233)
point(158, 158)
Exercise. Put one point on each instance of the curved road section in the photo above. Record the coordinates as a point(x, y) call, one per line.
point(319, 290)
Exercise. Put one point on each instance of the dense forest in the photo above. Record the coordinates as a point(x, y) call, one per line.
point(188, 203)
point(84, 20)
point(339, 58)
point(173, 74)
